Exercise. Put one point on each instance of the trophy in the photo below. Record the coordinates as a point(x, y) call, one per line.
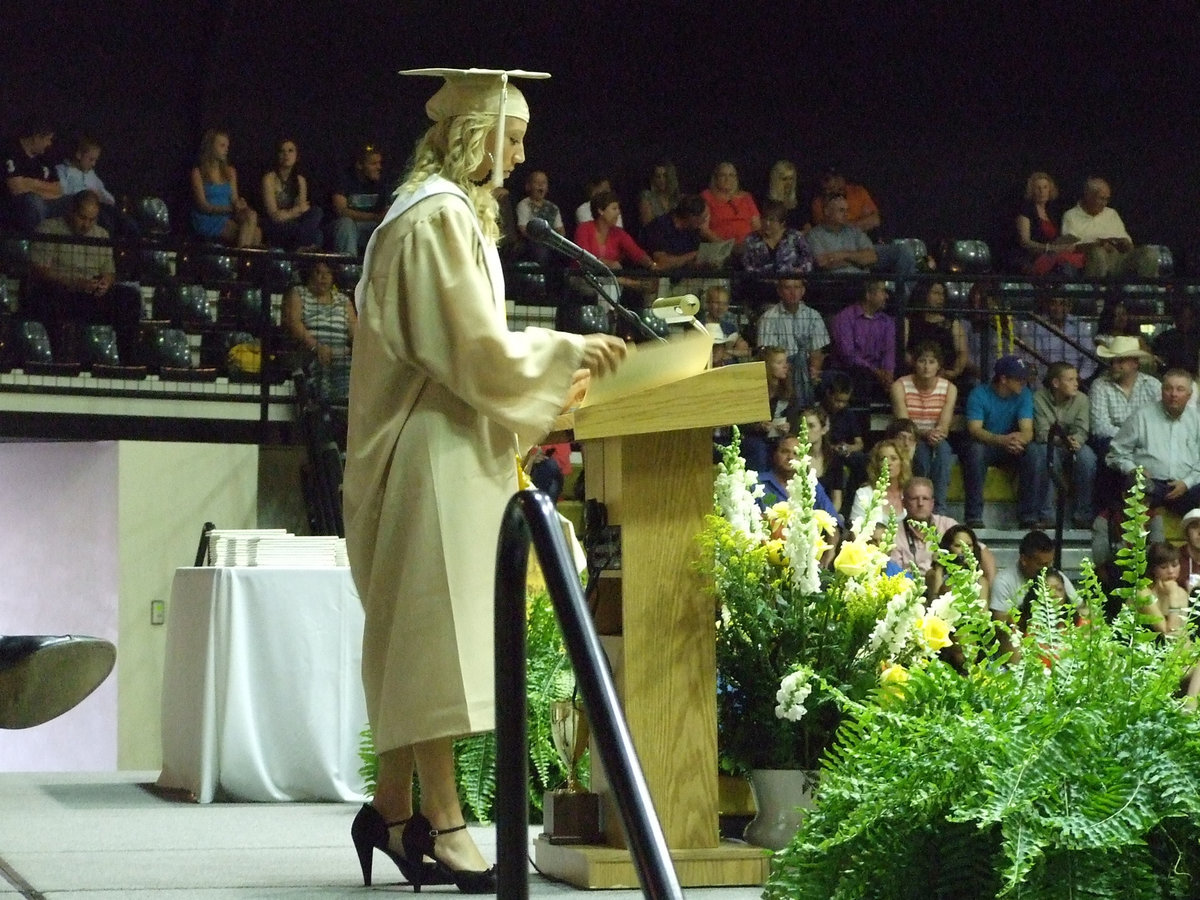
point(571, 815)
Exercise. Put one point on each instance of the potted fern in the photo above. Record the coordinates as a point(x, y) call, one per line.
point(1072, 770)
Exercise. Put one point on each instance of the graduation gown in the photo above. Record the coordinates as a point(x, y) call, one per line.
point(442, 395)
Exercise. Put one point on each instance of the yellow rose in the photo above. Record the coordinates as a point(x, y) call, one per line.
point(935, 630)
point(857, 559)
point(776, 555)
point(892, 678)
point(827, 523)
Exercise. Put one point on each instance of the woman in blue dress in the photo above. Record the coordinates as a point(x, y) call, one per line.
point(220, 213)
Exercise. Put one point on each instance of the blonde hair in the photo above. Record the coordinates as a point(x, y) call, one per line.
point(207, 159)
point(776, 190)
point(1034, 179)
point(875, 463)
point(454, 148)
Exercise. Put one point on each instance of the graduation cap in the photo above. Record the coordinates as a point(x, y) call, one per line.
point(479, 90)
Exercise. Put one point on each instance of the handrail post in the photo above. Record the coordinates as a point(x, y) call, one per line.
point(531, 514)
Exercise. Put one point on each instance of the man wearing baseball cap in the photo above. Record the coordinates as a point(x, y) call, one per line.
point(1000, 432)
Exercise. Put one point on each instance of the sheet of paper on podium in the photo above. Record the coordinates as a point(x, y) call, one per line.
point(652, 365)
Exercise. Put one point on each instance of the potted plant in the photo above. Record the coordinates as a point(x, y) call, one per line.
point(1070, 769)
point(793, 636)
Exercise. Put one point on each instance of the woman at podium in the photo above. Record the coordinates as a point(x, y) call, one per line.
point(442, 398)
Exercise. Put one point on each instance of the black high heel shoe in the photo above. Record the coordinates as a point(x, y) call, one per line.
point(418, 838)
point(370, 832)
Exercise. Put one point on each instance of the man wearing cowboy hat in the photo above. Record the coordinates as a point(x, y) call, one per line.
point(1121, 390)
point(1163, 439)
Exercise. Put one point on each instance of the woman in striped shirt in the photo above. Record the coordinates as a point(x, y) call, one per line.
point(928, 399)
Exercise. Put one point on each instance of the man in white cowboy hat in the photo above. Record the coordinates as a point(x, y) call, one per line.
point(1163, 439)
point(1119, 391)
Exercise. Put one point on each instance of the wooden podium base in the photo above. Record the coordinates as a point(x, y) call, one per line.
point(595, 866)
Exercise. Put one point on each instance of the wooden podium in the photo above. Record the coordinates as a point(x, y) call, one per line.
point(648, 459)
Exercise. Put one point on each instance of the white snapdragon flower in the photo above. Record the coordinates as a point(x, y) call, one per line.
point(736, 491)
point(794, 689)
point(943, 607)
point(804, 534)
point(897, 627)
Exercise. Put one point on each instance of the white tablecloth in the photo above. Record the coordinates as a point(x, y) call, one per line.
point(262, 691)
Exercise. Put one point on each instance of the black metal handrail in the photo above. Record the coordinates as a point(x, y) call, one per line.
point(531, 514)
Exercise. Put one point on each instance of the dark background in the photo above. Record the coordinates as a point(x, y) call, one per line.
point(940, 109)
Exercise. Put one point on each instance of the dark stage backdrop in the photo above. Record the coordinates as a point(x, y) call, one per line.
point(941, 109)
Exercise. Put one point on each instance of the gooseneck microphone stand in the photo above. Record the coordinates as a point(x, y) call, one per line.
point(598, 276)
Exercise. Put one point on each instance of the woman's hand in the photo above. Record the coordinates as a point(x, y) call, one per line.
point(578, 389)
point(602, 353)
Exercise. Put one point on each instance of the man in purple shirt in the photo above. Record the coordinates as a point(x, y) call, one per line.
point(864, 342)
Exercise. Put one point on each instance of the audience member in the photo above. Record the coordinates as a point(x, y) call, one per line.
point(537, 205)
point(594, 186)
point(884, 452)
point(800, 330)
point(775, 249)
point(861, 210)
point(291, 222)
point(722, 347)
point(662, 194)
point(864, 342)
point(34, 192)
point(781, 403)
point(1061, 418)
point(903, 431)
point(910, 548)
point(830, 469)
point(958, 539)
point(601, 235)
point(323, 320)
point(928, 399)
point(1178, 347)
point(1043, 248)
point(359, 200)
point(72, 284)
point(838, 246)
point(1163, 440)
point(775, 480)
point(847, 427)
point(999, 432)
point(1034, 553)
point(862, 217)
point(220, 213)
point(1115, 321)
point(732, 212)
point(1097, 229)
point(781, 186)
point(78, 173)
point(927, 321)
point(1061, 337)
point(716, 312)
point(1189, 553)
point(1119, 391)
point(1163, 603)
point(673, 239)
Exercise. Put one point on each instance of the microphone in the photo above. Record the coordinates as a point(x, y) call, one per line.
point(540, 231)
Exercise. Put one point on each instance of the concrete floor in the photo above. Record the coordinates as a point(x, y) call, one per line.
point(113, 836)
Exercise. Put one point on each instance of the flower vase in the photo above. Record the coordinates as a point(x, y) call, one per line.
point(780, 798)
